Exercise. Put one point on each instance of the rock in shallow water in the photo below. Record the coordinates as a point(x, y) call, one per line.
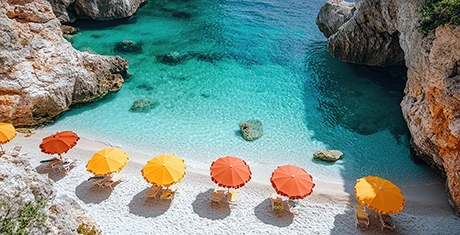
point(128, 46)
point(251, 129)
point(328, 155)
point(143, 105)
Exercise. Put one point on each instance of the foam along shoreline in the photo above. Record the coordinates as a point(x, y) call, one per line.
point(126, 210)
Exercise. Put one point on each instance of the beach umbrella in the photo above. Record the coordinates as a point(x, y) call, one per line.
point(292, 181)
point(230, 172)
point(164, 170)
point(59, 143)
point(7, 133)
point(379, 194)
point(107, 161)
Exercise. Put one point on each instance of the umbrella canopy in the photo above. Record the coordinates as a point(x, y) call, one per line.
point(230, 172)
point(164, 170)
point(7, 133)
point(107, 161)
point(379, 194)
point(292, 181)
point(59, 143)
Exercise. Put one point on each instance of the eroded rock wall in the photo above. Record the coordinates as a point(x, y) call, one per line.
point(431, 106)
point(41, 73)
point(69, 10)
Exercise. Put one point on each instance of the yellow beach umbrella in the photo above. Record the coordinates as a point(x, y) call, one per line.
point(164, 170)
point(107, 161)
point(7, 133)
point(379, 194)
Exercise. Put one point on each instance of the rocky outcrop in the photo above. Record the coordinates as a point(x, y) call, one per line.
point(328, 155)
point(70, 10)
point(143, 105)
point(431, 106)
point(369, 37)
point(41, 73)
point(21, 184)
point(333, 14)
point(251, 129)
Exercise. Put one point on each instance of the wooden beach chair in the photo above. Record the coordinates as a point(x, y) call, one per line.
point(169, 192)
point(361, 216)
point(51, 162)
point(277, 202)
point(97, 180)
point(386, 222)
point(153, 191)
point(16, 151)
point(218, 194)
point(109, 181)
point(232, 196)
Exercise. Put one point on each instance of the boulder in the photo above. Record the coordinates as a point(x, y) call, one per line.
point(328, 155)
point(143, 105)
point(173, 58)
point(251, 129)
point(128, 46)
point(333, 14)
point(66, 29)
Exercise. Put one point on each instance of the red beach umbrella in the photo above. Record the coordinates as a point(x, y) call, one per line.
point(292, 181)
point(59, 143)
point(230, 172)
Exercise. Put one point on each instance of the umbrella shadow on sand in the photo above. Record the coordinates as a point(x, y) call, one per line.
point(264, 213)
point(89, 193)
point(54, 174)
point(205, 208)
point(144, 206)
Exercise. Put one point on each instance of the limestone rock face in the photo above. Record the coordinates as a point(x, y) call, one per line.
point(333, 14)
point(20, 183)
point(431, 106)
point(369, 37)
point(41, 73)
point(251, 129)
point(70, 10)
point(328, 155)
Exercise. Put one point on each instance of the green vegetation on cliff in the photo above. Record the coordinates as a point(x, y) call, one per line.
point(439, 12)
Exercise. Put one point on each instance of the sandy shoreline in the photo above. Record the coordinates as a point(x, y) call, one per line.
point(126, 210)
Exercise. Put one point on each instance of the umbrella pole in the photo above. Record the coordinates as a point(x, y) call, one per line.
point(1, 146)
point(60, 156)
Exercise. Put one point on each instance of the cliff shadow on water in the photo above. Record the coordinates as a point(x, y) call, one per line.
point(360, 98)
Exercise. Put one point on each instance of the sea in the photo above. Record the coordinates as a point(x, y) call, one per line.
point(209, 65)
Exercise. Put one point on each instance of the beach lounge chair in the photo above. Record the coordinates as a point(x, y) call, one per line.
point(232, 196)
point(16, 150)
point(294, 205)
point(361, 216)
point(277, 202)
point(153, 191)
point(386, 221)
point(109, 181)
point(169, 192)
point(51, 162)
point(218, 194)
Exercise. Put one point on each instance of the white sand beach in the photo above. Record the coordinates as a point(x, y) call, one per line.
point(126, 209)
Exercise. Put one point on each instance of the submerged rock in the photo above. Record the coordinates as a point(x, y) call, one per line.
point(128, 46)
point(328, 155)
point(181, 15)
point(143, 105)
point(251, 129)
point(173, 58)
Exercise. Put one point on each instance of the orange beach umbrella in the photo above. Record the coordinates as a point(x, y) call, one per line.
point(7, 133)
point(164, 170)
point(292, 181)
point(107, 161)
point(230, 172)
point(379, 194)
point(59, 143)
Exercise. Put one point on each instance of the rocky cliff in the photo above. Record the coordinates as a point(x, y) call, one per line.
point(21, 184)
point(385, 32)
point(41, 73)
point(70, 10)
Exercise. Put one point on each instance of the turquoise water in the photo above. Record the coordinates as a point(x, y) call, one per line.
point(244, 60)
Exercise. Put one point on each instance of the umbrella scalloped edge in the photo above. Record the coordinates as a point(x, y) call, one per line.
point(108, 173)
point(165, 185)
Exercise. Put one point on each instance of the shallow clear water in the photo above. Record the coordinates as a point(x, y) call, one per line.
point(241, 60)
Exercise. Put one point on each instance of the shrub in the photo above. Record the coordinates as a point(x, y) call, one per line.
point(18, 217)
point(87, 229)
point(436, 13)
